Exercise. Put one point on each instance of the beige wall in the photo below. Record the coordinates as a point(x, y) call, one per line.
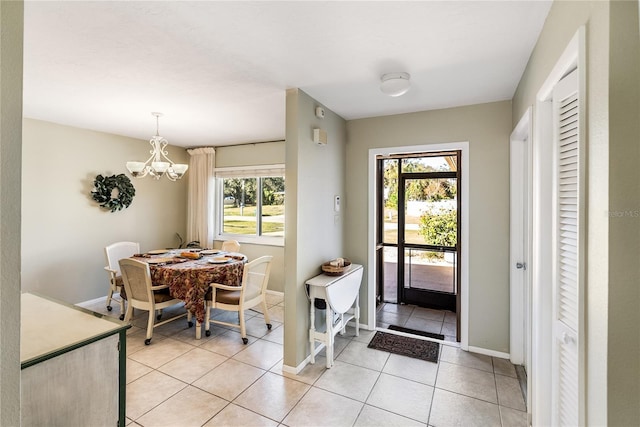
point(487, 128)
point(64, 231)
point(314, 233)
point(623, 381)
point(265, 153)
point(11, 30)
point(612, 298)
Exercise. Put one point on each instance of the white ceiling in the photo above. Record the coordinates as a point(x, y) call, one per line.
point(219, 70)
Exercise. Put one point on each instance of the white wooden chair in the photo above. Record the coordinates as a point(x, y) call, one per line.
point(141, 294)
point(230, 246)
point(251, 293)
point(114, 253)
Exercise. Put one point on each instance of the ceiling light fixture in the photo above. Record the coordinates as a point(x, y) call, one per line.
point(155, 166)
point(395, 84)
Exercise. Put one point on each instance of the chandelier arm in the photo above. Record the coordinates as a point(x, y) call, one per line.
point(164, 152)
point(148, 161)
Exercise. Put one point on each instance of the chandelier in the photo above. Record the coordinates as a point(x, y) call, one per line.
point(155, 165)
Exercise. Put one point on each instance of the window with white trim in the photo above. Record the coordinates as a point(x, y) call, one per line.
point(251, 204)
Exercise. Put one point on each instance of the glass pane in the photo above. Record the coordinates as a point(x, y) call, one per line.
point(390, 255)
point(390, 194)
point(239, 213)
point(430, 164)
point(430, 270)
point(431, 216)
point(273, 206)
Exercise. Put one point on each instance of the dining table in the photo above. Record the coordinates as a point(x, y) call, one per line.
point(189, 279)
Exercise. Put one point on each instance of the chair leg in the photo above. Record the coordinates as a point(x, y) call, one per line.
point(109, 297)
point(129, 315)
point(243, 329)
point(149, 327)
point(122, 308)
point(207, 320)
point(265, 312)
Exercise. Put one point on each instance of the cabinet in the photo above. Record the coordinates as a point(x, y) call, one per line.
point(73, 365)
point(342, 299)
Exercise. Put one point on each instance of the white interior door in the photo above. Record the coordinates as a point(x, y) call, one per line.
point(567, 282)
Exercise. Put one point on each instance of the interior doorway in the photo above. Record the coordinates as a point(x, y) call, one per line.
point(520, 249)
point(417, 247)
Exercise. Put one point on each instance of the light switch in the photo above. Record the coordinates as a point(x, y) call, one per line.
point(319, 136)
point(336, 204)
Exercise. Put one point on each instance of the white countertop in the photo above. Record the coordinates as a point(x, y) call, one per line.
point(48, 326)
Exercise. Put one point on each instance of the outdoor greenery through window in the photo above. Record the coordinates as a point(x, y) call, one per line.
point(253, 206)
point(430, 197)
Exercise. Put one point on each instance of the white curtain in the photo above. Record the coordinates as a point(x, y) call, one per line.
point(200, 198)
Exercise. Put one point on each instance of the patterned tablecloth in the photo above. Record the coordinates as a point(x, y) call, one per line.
point(190, 280)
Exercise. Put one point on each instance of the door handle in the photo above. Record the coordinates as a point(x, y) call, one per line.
point(521, 265)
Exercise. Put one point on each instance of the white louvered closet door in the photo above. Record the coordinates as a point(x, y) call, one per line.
point(567, 363)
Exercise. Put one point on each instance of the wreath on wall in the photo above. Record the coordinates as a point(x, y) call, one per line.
point(107, 198)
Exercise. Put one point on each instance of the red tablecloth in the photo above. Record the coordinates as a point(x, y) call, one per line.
point(190, 280)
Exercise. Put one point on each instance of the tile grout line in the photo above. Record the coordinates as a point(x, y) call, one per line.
point(435, 382)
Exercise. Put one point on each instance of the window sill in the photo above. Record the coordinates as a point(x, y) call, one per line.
point(252, 240)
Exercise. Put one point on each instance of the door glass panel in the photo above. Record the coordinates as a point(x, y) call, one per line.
point(390, 256)
point(431, 212)
point(430, 270)
point(390, 194)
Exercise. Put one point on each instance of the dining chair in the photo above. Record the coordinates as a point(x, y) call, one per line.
point(249, 294)
point(141, 294)
point(230, 246)
point(114, 253)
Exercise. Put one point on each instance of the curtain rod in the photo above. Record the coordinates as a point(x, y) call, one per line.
point(238, 145)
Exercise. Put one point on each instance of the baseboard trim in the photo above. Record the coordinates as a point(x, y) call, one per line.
point(486, 352)
point(295, 370)
point(85, 304)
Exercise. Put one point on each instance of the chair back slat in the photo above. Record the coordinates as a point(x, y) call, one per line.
point(137, 279)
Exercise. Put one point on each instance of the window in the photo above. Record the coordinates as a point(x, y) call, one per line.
point(251, 204)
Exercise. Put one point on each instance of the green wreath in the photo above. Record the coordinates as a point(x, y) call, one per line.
point(103, 192)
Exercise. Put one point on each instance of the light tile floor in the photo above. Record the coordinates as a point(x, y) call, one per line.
point(423, 319)
point(218, 381)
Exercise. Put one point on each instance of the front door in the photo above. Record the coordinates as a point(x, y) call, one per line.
point(419, 229)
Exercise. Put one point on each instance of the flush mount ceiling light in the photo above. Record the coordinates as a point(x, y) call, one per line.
point(155, 165)
point(395, 84)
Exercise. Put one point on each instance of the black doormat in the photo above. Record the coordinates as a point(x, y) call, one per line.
point(406, 346)
point(416, 332)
